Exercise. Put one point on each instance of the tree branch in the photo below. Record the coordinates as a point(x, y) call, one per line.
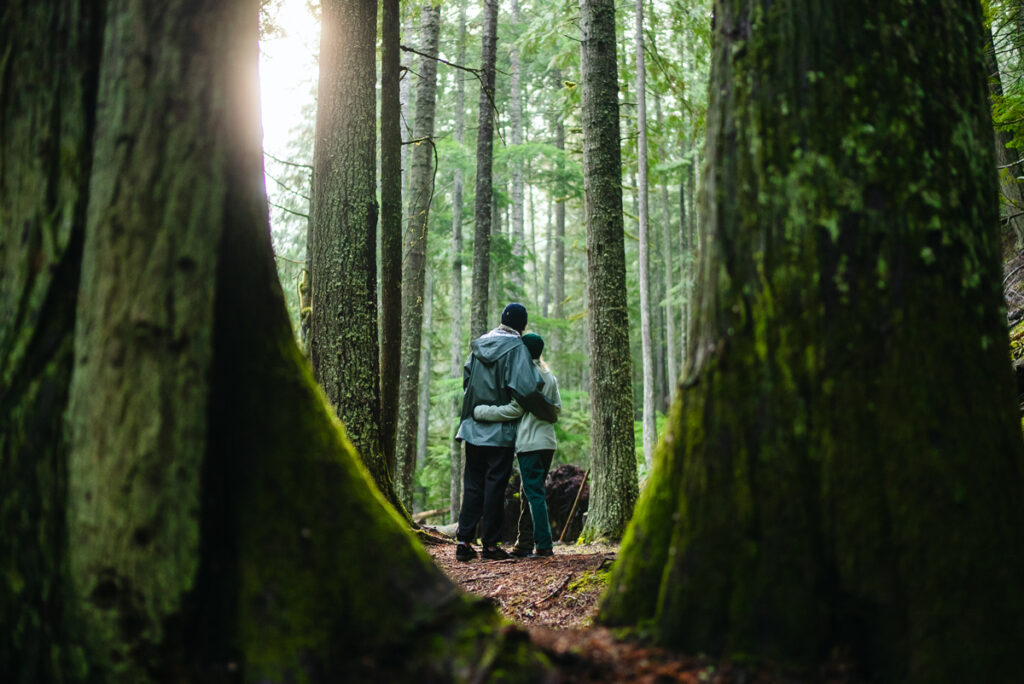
point(289, 163)
point(290, 211)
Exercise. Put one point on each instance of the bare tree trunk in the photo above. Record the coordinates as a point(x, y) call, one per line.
point(517, 236)
point(390, 225)
point(613, 464)
point(457, 353)
point(344, 349)
point(548, 246)
point(415, 251)
point(646, 337)
point(671, 342)
point(423, 405)
point(558, 271)
point(484, 158)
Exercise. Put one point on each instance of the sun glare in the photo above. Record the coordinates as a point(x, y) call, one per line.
point(288, 73)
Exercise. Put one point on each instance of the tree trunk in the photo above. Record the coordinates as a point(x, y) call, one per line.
point(390, 226)
point(671, 341)
point(414, 258)
point(344, 347)
point(646, 336)
point(846, 448)
point(423, 402)
point(517, 233)
point(212, 499)
point(558, 270)
point(457, 353)
point(613, 464)
point(548, 240)
point(47, 115)
point(478, 319)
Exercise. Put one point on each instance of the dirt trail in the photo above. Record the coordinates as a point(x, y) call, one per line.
point(555, 599)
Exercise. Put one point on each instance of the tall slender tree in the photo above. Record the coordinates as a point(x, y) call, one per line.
point(614, 485)
point(671, 342)
point(843, 465)
point(455, 351)
point(478, 318)
point(646, 334)
point(414, 250)
point(390, 225)
point(517, 233)
point(219, 547)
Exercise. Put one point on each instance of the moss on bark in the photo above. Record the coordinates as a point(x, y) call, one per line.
point(613, 461)
point(841, 466)
point(47, 92)
point(238, 536)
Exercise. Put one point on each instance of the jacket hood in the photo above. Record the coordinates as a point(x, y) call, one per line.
point(495, 344)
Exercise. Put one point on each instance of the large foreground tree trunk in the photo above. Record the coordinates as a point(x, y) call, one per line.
point(614, 486)
point(220, 520)
point(47, 115)
point(843, 467)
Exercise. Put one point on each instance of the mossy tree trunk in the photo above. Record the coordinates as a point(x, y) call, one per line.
point(483, 215)
point(218, 527)
point(613, 463)
point(344, 344)
point(414, 252)
point(390, 226)
point(47, 118)
point(843, 465)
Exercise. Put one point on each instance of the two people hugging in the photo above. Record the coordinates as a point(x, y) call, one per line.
point(509, 405)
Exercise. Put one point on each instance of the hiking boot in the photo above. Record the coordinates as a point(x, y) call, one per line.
point(542, 553)
point(520, 552)
point(464, 552)
point(495, 553)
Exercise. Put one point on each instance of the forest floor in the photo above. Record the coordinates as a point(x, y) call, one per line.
point(555, 600)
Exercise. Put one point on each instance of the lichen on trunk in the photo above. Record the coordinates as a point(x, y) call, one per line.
point(841, 465)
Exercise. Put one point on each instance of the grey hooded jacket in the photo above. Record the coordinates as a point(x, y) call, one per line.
point(533, 433)
point(499, 369)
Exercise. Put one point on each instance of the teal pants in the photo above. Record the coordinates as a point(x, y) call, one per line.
point(534, 466)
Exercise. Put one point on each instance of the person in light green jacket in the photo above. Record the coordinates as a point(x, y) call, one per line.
point(535, 447)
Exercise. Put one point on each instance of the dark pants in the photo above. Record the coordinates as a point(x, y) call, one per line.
point(534, 527)
point(483, 497)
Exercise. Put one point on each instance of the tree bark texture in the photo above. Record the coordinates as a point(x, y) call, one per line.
point(672, 343)
point(390, 225)
point(344, 348)
point(457, 354)
point(843, 465)
point(139, 398)
point(47, 115)
point(210, 527)
point(423, 401)
point(478, 319)
point(517, 233)
point(643, 214)
point(414, 251)
point(613, 464)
